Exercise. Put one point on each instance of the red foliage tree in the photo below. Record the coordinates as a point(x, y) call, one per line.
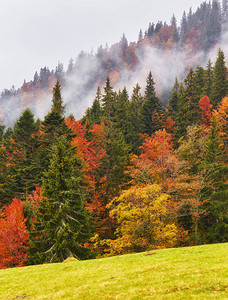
point(91, 153)
point(205, 107)
point(13, 236)
point(157, 162)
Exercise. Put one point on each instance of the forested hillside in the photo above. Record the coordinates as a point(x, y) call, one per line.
point(168, 49)
point(134, 173)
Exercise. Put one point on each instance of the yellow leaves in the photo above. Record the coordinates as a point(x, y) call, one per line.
point(142, 214)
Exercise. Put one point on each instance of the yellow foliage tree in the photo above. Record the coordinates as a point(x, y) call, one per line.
point(144, 221)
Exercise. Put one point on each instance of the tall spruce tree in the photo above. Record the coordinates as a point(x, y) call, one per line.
point(181, 119)
point(20, 175)
point(121, 119)
point(214, 223)
point(52, 128)
point(219, 87)
point(134, 120)
point(208, 80)
point(57, 102)
point(108, 101)
point(183, 30)
point(62, 221)
point(173, 102)
point(151, 109)
point(93, 115)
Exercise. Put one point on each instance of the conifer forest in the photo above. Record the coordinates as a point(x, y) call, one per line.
point(114, 165)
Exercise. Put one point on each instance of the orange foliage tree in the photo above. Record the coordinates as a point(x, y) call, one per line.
point(206, 109)
point(157, 162)
point(13, 236)
point(91, 153)
point(221, 116)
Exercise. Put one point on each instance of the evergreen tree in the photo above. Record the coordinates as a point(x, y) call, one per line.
point(197, 93)
point(20, 173)
point(181, 119)
point(112, 171)
point(62, 221)
point(220, 83)
point(151, 108)
point(134, 120)
point(51, 129)
point(208, 80)
point(140, 35)
point(59, 72)
point(214, 222)
point(183, 30)
point(57, 102)
point(175, 31)
point(2, 128)
point(108, 101)
point(173, 102)
point(189, 98)
point(150, 31)
point(70, 66)
point(36, 78)
point(121, 112)
point(93, 115)
point(213, 152)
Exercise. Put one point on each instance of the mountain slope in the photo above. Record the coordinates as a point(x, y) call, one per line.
point(165, 49)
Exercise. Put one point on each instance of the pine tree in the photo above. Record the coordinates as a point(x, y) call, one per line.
point(36, 78)
point(113, 172)
point(57, 102)
point(51, 129)
point(93, 115)
point(181, 119)
point(173, 101)
point(2, 128)
point(62, 221)
point(213, 152)
point(140, 35)
point(214, 223)
point(108, 101)
point(220, 82)
point(134, 120)
point(20, 171)
point(151, 108)
point(173, 22)
point(121, 112)
point(24, 128)
point(208, 80)
point(183, 30)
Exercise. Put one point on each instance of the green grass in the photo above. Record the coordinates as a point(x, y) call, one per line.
point(185, 273)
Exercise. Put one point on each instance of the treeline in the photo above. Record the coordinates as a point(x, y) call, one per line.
point(132, 175)
point(198, 31)
point(201, 29)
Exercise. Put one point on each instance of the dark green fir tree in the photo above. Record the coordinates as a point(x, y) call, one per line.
point(62, 221)
point(151, 109)
point(219, 87)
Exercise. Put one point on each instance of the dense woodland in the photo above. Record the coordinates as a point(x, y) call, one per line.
point(132, 175)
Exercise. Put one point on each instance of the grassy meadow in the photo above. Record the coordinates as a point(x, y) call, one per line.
point(199, 272)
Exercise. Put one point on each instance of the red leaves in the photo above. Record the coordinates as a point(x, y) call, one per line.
point(157, 163)
point(13, 236)
point(205, 107)
point(90, 152)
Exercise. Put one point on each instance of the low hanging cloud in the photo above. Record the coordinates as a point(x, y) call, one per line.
point(90, 71)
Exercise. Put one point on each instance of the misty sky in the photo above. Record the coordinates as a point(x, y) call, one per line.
point(38, 33)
